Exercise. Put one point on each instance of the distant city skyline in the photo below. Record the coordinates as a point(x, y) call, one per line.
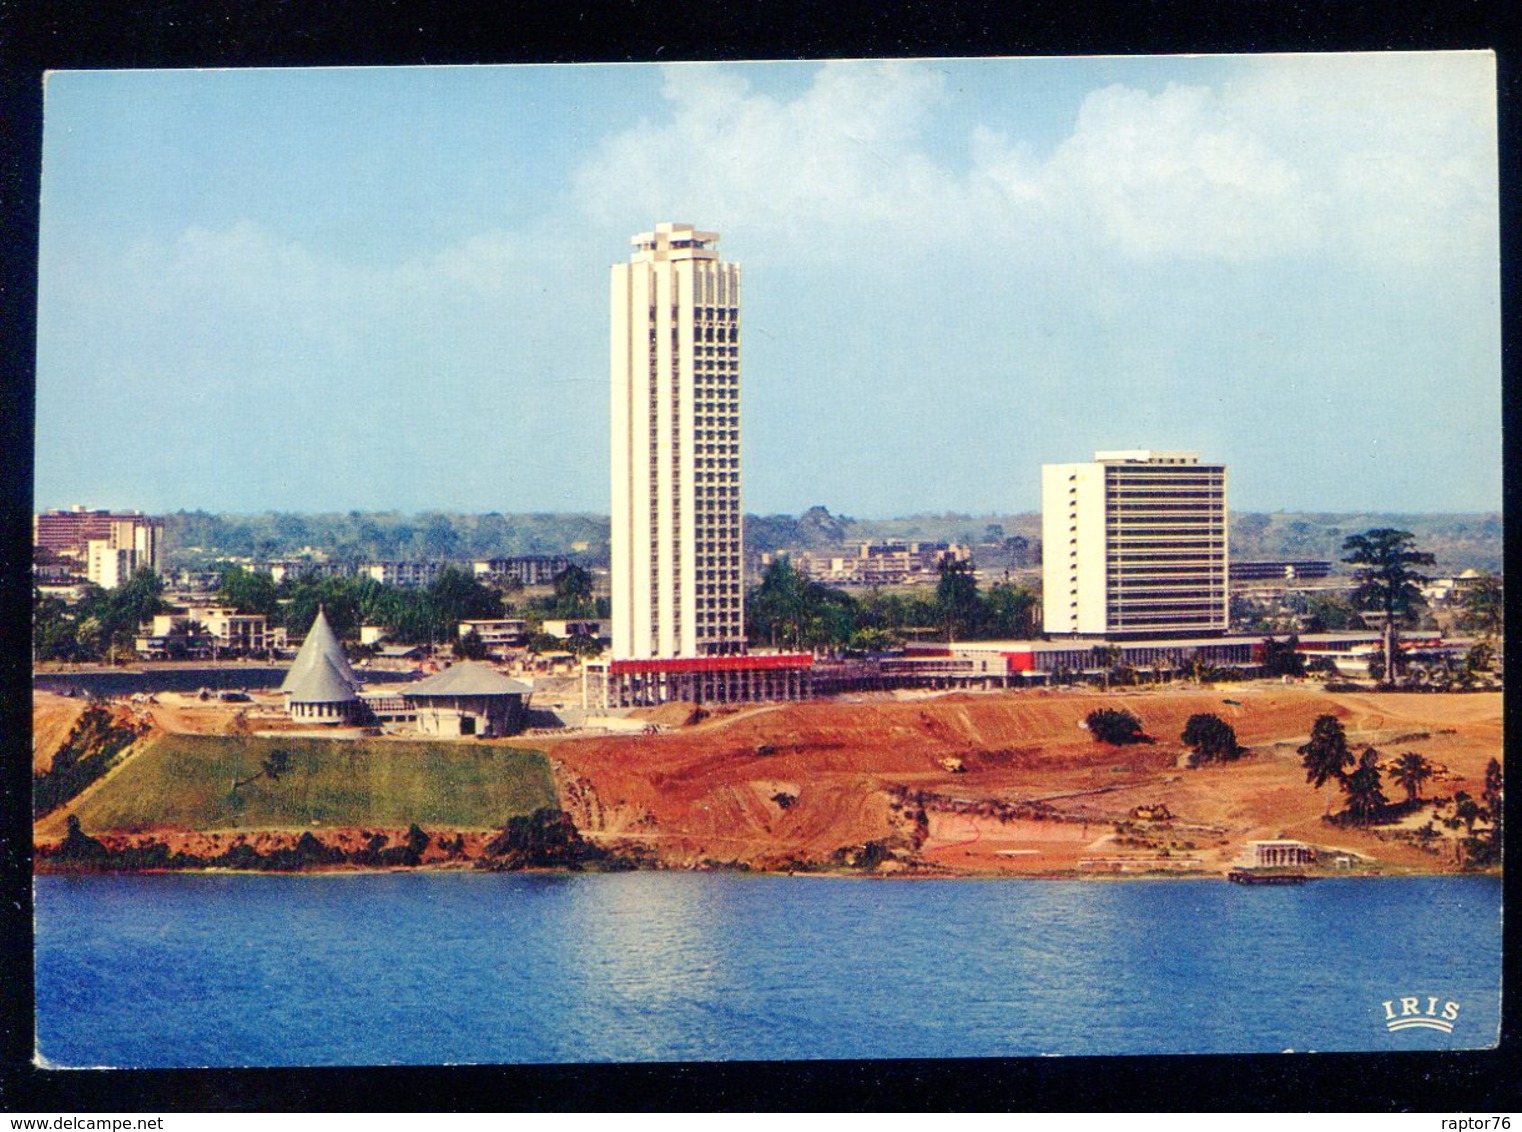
point(386, 289)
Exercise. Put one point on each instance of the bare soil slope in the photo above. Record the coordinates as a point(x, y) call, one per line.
point(53, 717)
point(801, 784)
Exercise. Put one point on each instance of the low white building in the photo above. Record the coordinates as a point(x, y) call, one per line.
point(211, 627)
point(1279, 854)
point(576, 627)
point(498, 635)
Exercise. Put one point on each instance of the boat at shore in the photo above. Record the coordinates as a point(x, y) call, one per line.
point(1259, 876)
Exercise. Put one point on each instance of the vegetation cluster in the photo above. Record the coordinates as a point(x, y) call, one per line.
point(1209, 737)
point(199, 538)
point(790, 610)
point(1327, 758)
point(1115, 726)
point(545, 838)
point(103, 625)
point(80, 851)
point(90, 750)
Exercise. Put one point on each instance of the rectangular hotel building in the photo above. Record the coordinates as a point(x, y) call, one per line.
point(1134, 544)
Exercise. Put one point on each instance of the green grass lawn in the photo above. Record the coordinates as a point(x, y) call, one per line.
point(186, 780)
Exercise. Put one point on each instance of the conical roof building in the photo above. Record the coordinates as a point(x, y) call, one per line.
point(321, 685)
point(321, 644)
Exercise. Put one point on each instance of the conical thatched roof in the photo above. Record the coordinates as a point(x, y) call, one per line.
point(321, 644)
point(322, 683)
point(468, 678)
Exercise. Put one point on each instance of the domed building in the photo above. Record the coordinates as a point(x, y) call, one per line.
point(469, 698)
point(321, 685)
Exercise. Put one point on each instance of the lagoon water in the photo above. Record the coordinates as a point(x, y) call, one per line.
point(445, 968)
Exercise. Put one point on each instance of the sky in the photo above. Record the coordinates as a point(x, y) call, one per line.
point(387, 289)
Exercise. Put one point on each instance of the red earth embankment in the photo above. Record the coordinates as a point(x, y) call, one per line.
point(798, 785)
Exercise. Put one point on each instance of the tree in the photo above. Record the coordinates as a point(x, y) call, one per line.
point(1493, 797)
point(1492, 793)
point(54, 636)
point(1009, 612)
point(1409, 772)
point(1282, 658)
point(456, 596)
point(185, 637)
point(1115, 726)
point(337, 598)
point(1213, 739)
point(790, 611)
point(1387, 581)
point(540, 643)
point(573, 594)
point(1366, 798)
point(277, 763)
point(249, 592)
point(1484, 606)
point(139, 599)
point(1201, 669)
point(957, 604)
point(470, 646)
point(107, 620)
point(1466, 811)
point(776, 608)
point(1327, 754)
point(1480, 658)
point(1326, 613)
point(584, 645)
point(874, 640)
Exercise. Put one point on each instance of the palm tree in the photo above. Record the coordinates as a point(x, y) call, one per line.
point(1410, 771)
point(1365, 796)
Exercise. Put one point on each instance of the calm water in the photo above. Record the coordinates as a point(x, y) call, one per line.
point(148, 680)
point(455, 968)
point(233, 677)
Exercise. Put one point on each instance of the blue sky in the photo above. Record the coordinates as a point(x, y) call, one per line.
point(387, 288)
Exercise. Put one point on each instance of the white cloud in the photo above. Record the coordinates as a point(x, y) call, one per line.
point(841, 159)
point(1176, 174)
point(1384, 159)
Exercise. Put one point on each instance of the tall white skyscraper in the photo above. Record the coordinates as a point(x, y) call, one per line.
point(1134, 544)
point(676, 540)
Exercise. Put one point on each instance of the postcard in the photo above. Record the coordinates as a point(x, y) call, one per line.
point(768, 562)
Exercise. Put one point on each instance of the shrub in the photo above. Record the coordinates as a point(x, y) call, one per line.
point(546, 837)
point(1116, 727)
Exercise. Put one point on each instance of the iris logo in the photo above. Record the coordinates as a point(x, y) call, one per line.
point(1411, 1012)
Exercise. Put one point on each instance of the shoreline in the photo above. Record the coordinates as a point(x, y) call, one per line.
point(906, 874)
point(817, 789)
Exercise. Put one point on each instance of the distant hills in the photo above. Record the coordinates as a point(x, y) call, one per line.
point(195, 538)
